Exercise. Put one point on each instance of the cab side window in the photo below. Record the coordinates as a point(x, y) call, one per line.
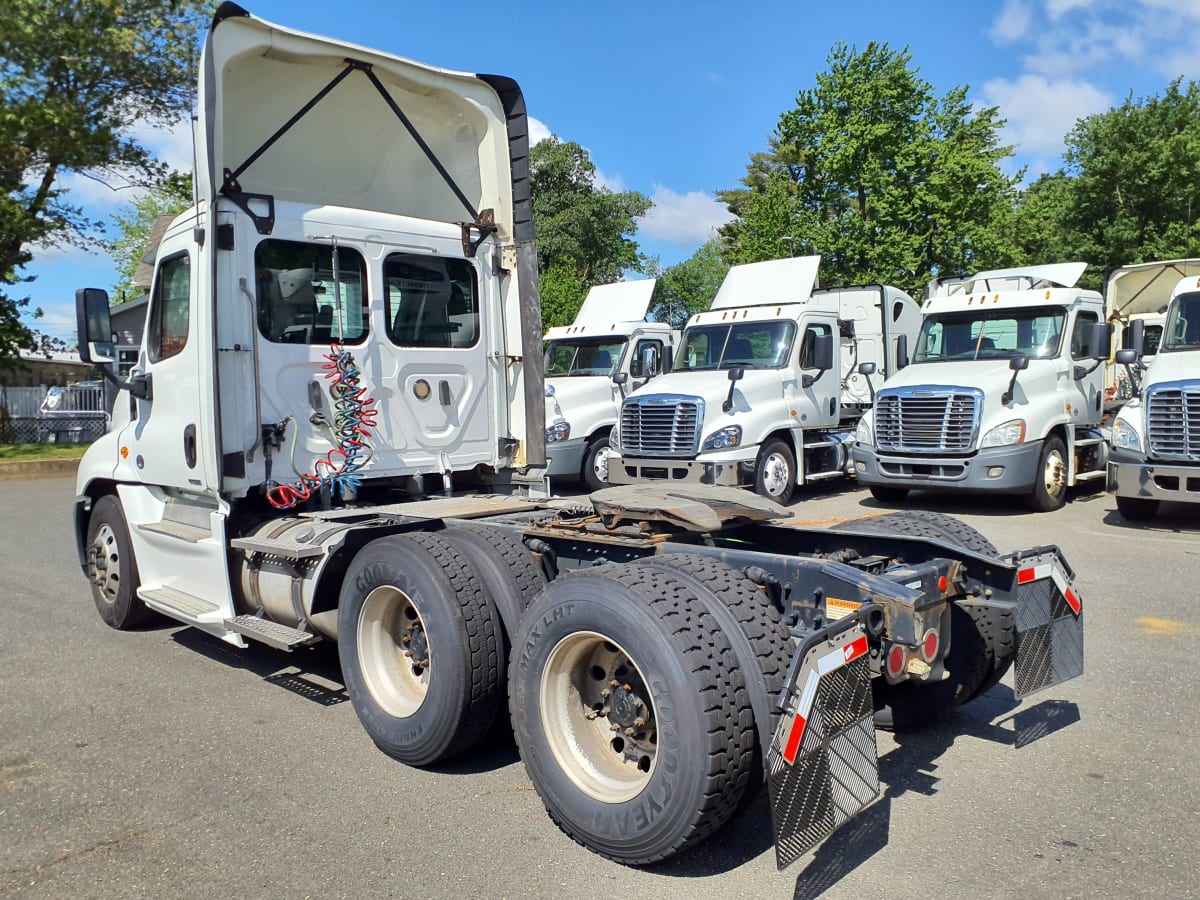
point(809, 343)
point(167, 328)
point(1081, 336)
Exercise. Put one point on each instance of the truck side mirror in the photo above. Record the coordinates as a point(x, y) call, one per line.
point(1137, 336)
point(94, 325)
point(1127, 356)
point(735, 375)
point(649, 361)
point(823, 352)
point(901, 352)
point(1101, 340)
point(1019, 363)
point(866, 368)
point(620, 378)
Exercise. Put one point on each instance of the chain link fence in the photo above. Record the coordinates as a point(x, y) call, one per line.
point(46, 415)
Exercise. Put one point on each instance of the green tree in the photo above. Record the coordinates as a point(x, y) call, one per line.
point(1040, 231)
point(584, 230)
point(1135, 180)
point(76, 78)
point(134, 222)
point(689, 287)
point(883, 178)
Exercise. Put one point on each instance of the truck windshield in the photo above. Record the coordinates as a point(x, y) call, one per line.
point(1182, 331)
point(598, 356)
point(996, 334)
point(753, 345)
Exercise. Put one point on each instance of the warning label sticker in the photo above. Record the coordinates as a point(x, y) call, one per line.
point(838, 609)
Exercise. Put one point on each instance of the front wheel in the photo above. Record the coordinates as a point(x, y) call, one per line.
point(775, 471)
point(595, 463)
point(1136, 508)
point(111, 567)
point(1050, 486)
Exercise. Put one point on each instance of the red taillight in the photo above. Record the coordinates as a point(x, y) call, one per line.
point(942, 584)
point(896, 659)
point(930, 646)
point(1026, 575)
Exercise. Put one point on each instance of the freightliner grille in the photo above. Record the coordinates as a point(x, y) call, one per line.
point(661, 426)
point(1173, 420)
point(926, 421)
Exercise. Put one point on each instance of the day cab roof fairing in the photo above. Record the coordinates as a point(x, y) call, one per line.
point(1146, 287)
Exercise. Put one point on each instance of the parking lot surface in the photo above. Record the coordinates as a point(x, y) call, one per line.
point(163, 762)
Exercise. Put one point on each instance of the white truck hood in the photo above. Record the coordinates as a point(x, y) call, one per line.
point(261, 133)
point(979, 373)
point(711, 386)
point(571, 395)
point(1182, 365)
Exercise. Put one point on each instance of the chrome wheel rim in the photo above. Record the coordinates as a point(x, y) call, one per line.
point(104, 563)
point(1054, 475)
point(600, 463)
point(776, 473)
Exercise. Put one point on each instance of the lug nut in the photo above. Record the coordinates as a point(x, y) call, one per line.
point(628, 688)
point(637, 701)
point(406, 639)
point(628, 732)
point(614, 727)
point(606, 711)
point(606, 693)
point(614, 683)
point(639, 721)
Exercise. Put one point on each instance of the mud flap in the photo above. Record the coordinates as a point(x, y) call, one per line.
point(822, 764)
point(1049, 625)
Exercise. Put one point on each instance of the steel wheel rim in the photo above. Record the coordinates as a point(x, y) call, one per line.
point(589, 745)
point(396, 679)
point(104, 561)
point(775, 474)
point(600, 463)
point(1054, 475)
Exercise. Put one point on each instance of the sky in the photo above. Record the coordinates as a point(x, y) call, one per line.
point(671, 98)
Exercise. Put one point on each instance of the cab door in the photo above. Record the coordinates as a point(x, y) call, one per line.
point(165, 443)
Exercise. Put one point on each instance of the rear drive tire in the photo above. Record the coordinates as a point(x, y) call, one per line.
point(922, 523)
point(1050, 486)
point(595, 463)
point(660, 761)
point(1135, 509)
point(112, 569)
point(775, 471)
point(886, 494)
point(440, 700)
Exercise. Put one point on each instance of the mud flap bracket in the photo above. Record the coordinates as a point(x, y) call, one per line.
point(822, 764)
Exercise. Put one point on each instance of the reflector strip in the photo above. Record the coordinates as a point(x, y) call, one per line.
point(1054, 572)
point(825, 665)
point(793, 741)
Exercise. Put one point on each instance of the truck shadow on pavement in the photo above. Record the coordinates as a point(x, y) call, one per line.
point(315, 674)
point(1171, 518)
point(908, 767)
point(977, 504)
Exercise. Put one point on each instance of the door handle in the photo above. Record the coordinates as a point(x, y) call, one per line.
point(444, 392)
point(189, 446)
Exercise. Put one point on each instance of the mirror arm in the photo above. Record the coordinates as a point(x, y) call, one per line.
point(1007, 397)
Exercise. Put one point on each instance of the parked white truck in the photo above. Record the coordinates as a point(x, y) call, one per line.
point(1156, 435)
point(349, 314)
point(767, 385)
point(591, 364)
point(1004, 393)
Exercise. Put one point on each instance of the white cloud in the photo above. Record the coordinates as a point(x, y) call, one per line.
point(1040, 112)
point(1013, 21)
point(684, 219)
point(614, 183)
point(1056, 9)
point(538, 131)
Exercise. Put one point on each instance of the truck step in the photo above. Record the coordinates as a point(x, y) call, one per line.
point(1088, 476)
point(1088, 442)
point(191, 533)
point(176, 603)
point(273, 634)
point(823, 476)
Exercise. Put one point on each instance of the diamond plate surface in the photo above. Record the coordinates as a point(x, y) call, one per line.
point(1049, 638)
point(836, 772)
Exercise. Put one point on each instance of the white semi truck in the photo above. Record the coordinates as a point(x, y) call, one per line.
point(768, 384)
point(1155, 452)
point(349, 316)
point(591, 364)
point(1004, 393)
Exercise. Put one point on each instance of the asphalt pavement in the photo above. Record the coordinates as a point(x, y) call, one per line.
point(165, 763)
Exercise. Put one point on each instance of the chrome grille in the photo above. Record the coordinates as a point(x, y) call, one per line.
point(927, 420)
point(1173, 420)
point(661, 426)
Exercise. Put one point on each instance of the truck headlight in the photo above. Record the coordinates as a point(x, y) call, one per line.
point(863, 433)
point(1125, 436)
point(1002, 435)
point(559, 431)
point(730, 436)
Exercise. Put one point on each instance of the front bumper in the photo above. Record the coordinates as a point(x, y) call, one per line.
point(1013, 469)
point(732, 470)
point(564, 459)
point(1154, 481)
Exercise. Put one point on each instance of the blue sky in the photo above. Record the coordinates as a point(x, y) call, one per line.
point(671, 98)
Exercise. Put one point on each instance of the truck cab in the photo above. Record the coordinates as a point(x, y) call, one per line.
point(1156, 435)
point(590, 365)
point(1004, 392)
point(767, 384)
